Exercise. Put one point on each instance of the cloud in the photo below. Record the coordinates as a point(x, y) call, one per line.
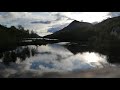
point(61, 16)
point(58, 17)
point(87, 16)
point(55, 28)
point(15, 18)
point(114, 14)
point(41, 22)
point(14, 15)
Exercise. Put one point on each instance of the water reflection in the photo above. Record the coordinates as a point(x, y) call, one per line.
point(112, 55)
point(76, 48)
point(21, 52)
point(51, 58)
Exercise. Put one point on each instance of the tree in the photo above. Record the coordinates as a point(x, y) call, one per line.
point(12, 27)
point(20, 27)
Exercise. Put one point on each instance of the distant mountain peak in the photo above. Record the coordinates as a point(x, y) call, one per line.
point(78, 24)
point(76, 21)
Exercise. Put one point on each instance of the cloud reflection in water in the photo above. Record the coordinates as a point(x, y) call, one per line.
point(54, 58)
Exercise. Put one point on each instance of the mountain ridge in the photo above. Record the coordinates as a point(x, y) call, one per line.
point(69, 30)
point(77, 30)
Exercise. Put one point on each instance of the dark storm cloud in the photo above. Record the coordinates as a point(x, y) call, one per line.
point(41, 22)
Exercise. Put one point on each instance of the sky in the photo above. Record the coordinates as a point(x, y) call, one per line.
point(44, 23)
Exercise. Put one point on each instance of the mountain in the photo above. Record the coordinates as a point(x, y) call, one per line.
point(81, 31)
point(103, 37)
point(57, 28)
point(73, 32)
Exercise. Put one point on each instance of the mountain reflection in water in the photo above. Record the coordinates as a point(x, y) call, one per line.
point(48, 58)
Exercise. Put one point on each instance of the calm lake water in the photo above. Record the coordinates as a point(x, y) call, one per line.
point(33, 61)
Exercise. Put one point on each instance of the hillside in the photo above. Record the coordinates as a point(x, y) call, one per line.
point(9, 37)
point(76, 30)
point(73, 32)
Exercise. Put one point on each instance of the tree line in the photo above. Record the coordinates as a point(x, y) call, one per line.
point(10, 36)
